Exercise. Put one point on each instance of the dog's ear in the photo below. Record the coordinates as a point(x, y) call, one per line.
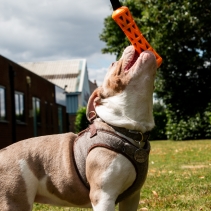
point(94, 100)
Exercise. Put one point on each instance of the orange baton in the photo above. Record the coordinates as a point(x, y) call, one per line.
point(124, 19)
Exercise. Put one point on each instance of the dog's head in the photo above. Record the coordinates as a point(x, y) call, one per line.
point(125, 98)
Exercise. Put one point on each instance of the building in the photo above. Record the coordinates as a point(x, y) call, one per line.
point(92, 86)
point(29, 104)
point(72, 76)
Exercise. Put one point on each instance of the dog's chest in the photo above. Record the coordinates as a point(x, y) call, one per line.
point(92, 138)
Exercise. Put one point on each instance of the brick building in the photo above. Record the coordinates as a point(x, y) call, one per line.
point(28, 105)
point(71, 75)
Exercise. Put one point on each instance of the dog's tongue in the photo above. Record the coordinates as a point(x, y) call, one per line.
point(132, 62)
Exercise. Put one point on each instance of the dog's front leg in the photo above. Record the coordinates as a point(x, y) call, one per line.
point(131, 203)
point(109, 174)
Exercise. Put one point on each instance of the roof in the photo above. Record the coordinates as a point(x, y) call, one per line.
point(67, 74)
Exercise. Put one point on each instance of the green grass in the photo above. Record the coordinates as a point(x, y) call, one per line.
point(179, 178)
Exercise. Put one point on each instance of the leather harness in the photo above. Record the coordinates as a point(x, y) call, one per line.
point(92, 137)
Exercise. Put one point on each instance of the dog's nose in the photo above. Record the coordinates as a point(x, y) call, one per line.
point(148, 57)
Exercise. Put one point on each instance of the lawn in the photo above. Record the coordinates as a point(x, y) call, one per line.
point(179, 178)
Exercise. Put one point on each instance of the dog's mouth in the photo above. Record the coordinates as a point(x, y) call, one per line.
point(132, 61)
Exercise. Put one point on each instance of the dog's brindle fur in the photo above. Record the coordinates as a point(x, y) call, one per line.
point(41, 169)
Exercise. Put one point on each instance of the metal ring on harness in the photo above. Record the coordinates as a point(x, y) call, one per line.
point(142, 136)
point(92, 115)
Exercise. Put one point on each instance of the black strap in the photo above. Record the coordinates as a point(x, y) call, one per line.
point(135, 135)
point(115, 4)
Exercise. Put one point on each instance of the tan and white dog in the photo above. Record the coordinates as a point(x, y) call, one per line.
point(47, 170)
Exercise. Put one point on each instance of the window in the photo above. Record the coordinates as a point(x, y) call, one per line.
point(36, 108)
point(19, 107)
point(46, 114)
point(2, 104)
point(51, 113)
point(60, 120)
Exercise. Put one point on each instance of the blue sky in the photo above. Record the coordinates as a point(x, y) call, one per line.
point(48, 30)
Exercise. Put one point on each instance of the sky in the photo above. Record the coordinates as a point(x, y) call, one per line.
point(50, 30)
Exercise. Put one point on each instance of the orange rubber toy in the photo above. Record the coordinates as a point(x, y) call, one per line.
point(124, 19)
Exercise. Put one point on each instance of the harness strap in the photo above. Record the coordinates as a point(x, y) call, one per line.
point(92, 138)
point(137, 136)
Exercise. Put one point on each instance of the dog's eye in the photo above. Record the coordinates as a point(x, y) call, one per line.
point(112, 63)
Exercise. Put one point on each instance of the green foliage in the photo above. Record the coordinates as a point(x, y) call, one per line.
point(159, 132)
point(167, 127)
point(185, 74)
point(81, 121)
point(198, 126)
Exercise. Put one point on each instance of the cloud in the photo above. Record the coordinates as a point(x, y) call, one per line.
point(46, 30)
point(65, 28)
point(97, 75)
point(98, 65)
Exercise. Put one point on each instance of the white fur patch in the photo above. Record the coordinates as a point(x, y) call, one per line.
point(46, 197)
point(30, 180)
point(36, 187)
point(127, 110)
point(118, 177)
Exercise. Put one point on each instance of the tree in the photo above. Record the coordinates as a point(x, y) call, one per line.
point(81, 121)
point(180, 31)
point(159, 131)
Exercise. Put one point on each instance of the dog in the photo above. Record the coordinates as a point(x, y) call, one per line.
point(103, 165)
